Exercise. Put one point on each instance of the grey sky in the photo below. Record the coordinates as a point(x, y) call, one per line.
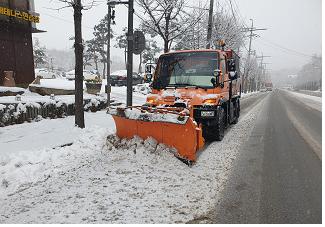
point(292, 24)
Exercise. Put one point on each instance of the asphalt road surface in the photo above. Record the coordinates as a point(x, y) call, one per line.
point(277, 178)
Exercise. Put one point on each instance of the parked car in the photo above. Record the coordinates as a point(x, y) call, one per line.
point(45, 73)
point(118, 78)
point(88, 75)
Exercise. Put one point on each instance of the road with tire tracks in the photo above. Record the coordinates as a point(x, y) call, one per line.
point(277, 177)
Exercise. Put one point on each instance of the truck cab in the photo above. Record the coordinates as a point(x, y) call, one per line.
point(205, 82)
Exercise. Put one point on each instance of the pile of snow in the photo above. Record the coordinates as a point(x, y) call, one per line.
point(248, 94)
point(121, 73)
point(67, 99)
point(102, 179)
point(56, 84)
point(2, 107)
point(136, 114)
point(11, 89)
point(142, 88)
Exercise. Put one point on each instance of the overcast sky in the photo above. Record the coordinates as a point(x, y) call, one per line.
point(293, 26)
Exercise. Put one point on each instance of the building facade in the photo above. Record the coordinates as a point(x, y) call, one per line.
point(17, 23)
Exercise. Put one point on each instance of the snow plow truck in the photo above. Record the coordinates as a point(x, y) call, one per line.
point(195, 97)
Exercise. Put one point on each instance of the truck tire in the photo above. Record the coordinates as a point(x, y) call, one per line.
point(215, 132)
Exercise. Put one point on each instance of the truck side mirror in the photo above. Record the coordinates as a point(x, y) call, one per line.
point(216, 80)
point(213, 81)
point(232, 72)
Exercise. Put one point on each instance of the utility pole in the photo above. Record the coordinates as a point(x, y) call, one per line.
point(208, 46)
point(108, 72)
point(251, 35)
point(130, 55)
point(262, 76)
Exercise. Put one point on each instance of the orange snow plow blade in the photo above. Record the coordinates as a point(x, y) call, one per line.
point(185, 136)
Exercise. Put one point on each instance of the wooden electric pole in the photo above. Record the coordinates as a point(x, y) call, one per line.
point(251, 35)
point(78, 49)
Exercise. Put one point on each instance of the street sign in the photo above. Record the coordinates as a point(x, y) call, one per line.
point(139, 42)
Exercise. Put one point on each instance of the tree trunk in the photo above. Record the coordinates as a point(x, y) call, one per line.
point(166, 46)
point(78, 49)
point(104, 70)
point(96, 63)
point(166, 39)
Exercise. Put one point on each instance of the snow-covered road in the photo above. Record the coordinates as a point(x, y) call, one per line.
point(99, 179)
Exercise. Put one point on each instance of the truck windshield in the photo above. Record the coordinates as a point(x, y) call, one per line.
point(186, 69)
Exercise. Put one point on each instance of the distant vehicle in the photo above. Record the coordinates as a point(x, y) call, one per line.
point(45, 73)
point(263, 90)
point(88, 75)
point(118, 78)
point(269, 86)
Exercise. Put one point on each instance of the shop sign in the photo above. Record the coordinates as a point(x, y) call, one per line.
point(19, 15)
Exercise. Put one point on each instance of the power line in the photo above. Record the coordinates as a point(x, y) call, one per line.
point(285, 48)
point(64, 20)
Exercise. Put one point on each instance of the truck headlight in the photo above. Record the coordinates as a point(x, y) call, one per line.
point(210, 101)
point(152, 100)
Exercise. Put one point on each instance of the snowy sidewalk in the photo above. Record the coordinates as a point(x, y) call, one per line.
point(48, 133)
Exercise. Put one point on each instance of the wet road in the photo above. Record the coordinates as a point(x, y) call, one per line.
point(277, 178)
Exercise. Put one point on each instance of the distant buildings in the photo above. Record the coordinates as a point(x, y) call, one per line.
point(17, 23)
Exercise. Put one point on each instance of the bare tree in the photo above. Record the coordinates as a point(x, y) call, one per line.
point(310, 75)
point(78, 6)
point(165, 18)
point(225, 27)
point(195, 36)
point(250, 82)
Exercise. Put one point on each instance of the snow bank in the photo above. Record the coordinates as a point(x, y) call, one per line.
point(56, 84)
point(67, 99)
point(310, 100)
point(11, 89)
point(248, 94)
point(142, 88)
point(2, 107)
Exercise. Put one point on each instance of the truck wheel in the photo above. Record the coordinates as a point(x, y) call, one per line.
point(215, 132)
